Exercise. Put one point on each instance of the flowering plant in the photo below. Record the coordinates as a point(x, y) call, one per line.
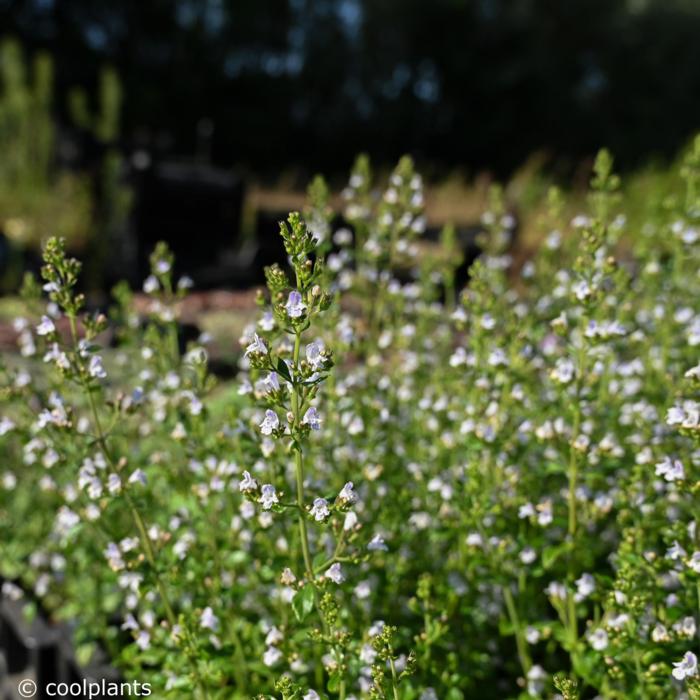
point(408, 493)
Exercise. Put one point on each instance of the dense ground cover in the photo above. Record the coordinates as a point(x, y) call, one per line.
point(410, 493)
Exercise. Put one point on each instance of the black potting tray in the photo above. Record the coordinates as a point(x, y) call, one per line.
point(40, 652)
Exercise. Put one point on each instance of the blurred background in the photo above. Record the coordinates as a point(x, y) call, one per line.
point(201, 122)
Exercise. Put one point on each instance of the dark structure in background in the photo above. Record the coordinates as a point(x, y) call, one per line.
point(479, 83)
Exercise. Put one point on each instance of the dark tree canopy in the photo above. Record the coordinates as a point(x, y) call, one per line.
point(481, 83)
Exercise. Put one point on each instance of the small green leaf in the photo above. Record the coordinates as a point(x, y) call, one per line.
point(303, 602)
point(283, 369)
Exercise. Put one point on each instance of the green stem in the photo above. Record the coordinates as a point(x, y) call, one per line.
point(301, 520)
point(136, 515)
point(394, 679)
point(520, 641)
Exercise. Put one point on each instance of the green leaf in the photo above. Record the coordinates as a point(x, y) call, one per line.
point(303, 601)
point(283, 369)
point(551, 554)
point(334, 683)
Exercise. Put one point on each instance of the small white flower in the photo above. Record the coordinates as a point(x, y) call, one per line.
point(95, 368)
point(295, 306)
point(46, 327)
point(694, 562)
point(272, 656)
point(150, 284)
point(256, 347)
point(274, 637)
point(114, 484)
point(247, 483)
point(335, 573)
point(377, 544)
point(564, 371)
point(350, 521)
point(320, 509)
point(208, 620)
point(687, 667)
point(6, 425)
point(312, 419)
point(288, 577)
point(143, 640)
point(314, 355)
point(598, 639)
point(138, 477)
point(671, 470)
point(347, 494)
point(312, 695)
point(271, 382)
point(584, 587)
point(268, 496)
point(270, 422)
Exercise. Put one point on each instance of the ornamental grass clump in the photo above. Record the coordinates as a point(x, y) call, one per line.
point(409, 491)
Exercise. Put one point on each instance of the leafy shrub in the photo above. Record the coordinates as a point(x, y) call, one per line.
point(409, 493)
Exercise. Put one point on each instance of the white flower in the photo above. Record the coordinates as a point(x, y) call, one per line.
point(257, 346)
point(564, 371)
point(659, 634)
point(138, 477)
point(208, 620)
point(687, 667)
point(6, 425)
point(535, 680)
point(272, 656)
point(685, 627)
point(114, 484)
point(247, 483)
point(347, 494)
point(287, 578)
point(185, 282)
point(693, 372)
point(320, 509)
point(675, 552)
point(271, 382)
point(528, 555)
point(295, 306)
point(312, 695)
point(377, 544)
point(671, 470)
point(143, 640)
point(95, 368)
point(598, 639)
point(274, 637)
point(532, 634)
point(350, 521)
point(312, 419)
point(314, 355)
point(584, 587)
point(46, 327)
point(694, 562)
point(270, 422)
point(268, 496)
point(150, 284)
point(556, 590)
point(335, 573)
point(114, 557)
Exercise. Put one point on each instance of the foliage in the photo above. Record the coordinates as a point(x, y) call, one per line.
point(38, 194)
point(411, 494)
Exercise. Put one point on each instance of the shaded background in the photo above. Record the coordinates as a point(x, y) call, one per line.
point(473, 83)
point(201, 122)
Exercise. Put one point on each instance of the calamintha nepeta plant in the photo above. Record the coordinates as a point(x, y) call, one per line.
point(408, 491)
